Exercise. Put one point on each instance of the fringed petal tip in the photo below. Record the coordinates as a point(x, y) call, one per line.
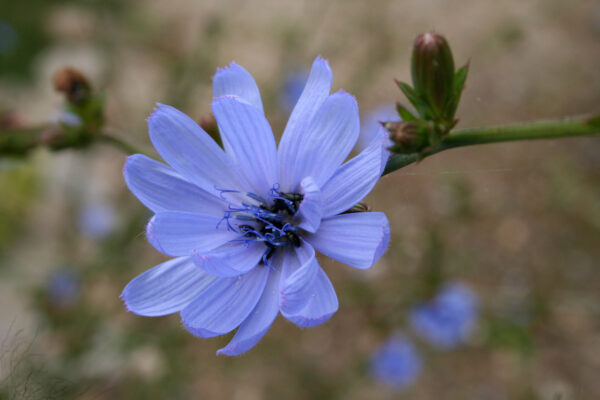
point(157, 108)
point(323, 61)
point(129, 307)
point(123, 298)
point(231, 65)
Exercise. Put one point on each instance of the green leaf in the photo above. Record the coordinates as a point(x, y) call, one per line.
point(414, 98)
point(406, 115)
point(460, 77)
point(594, 121)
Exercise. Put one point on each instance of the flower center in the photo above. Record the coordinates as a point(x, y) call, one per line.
point(270, 222)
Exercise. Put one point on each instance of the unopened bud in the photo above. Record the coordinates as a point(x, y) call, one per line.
point(73, 84)
point(210, 126)
point(408, 137)
point(360, 207)
point(402, 131)
point(433, 71)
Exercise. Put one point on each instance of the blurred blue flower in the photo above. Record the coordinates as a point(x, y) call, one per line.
point(448, 319)
point(291, 89)
point(69, 119)
point(397, 363)
point(97, 220)
point(62, 287)
point(244, 223)
point(371, 129)
point(8, 37)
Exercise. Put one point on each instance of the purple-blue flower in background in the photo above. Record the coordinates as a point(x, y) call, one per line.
point(97, 220)
point(291, 89)
point(62, 287)
point(243, 224)
point(8, 38)
point(448, 319)
point(396, 363)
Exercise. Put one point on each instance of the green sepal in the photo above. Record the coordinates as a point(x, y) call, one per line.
point(594, 121)
point(414, 99)
point(406, 115)
point(460, 77)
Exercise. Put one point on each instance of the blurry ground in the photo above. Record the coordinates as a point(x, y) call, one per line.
point(520, 223)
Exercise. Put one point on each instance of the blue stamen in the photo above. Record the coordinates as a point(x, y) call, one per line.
point(226, 217)
point(256, 197)
point(222, 191)
point(244, 218)
point(269, 222)
point(275, 189)
point(265, 259)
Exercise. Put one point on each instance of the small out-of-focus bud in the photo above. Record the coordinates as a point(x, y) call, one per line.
point(433, 72)
point(209, 124)
point(10, 119)
point(408, 137)
point(73, 84)
point(360, 207)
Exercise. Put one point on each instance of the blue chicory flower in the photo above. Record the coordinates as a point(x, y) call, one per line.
point(62, 287)
point(396, 363)
point(448, 319)
point(291, 90)
point(243, 224)
point(69, 119)
point(97, 220)
point(8, 38)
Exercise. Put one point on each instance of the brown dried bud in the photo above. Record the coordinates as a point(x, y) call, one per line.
point(402, 131)
point(408, 136)
point(72, 83)
point(209, 124)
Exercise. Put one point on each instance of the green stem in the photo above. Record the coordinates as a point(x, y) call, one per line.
point(505, 133)
point(20, 141)
point(17, 142)
point(119, 143)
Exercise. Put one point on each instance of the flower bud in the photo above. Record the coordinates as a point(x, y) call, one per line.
point(359, 207)
point(209, 124)
point(73, 84)
point(433, 72)
point(408, 137)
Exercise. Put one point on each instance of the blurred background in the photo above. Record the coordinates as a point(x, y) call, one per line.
point(516, 225)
